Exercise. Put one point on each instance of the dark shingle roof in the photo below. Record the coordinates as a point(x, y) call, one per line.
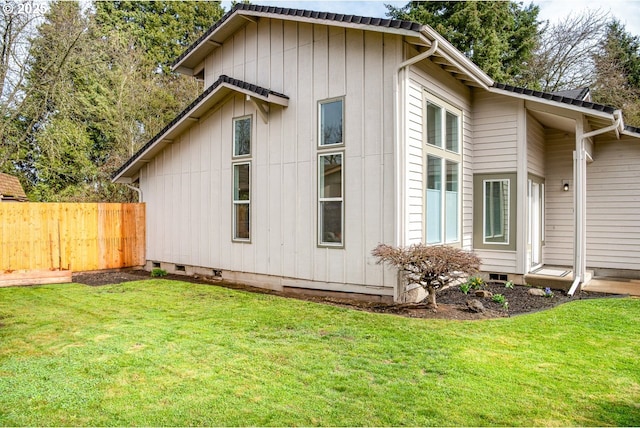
point(329, 16)
point(222, 79)
point(556, 97)
point(578, 94)
point(632, 129)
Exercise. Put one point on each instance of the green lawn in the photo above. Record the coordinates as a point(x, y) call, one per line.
point(160, 352)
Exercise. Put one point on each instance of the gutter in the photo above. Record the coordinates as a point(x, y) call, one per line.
point(137, 190)
point(398, 123)
point(618, 127)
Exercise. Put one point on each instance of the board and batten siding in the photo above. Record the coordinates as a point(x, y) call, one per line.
point(188, 186)
point(428, 77)
point(495, 150)
point(613, 205)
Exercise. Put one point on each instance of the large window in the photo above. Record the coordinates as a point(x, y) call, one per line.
point(442, 171)
point(241, 201)
point(331, 123)
point(330, 198)
point(330, 173)
point(242, 179)
point(496, 211)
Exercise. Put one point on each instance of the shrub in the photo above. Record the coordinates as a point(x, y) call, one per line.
point(156, 273)
point(431, 267)
point(476, 282)
point(465, 288)
point(499, 298)
point(509, 285)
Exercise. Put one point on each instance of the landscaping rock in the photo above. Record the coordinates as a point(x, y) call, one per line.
point(475, 305)
point(485, 294)
point(536, 292)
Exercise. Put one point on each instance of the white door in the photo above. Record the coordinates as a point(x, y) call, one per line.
point(536, 224)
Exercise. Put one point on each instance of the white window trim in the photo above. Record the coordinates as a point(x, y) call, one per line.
point(321, 242)
point(235, 202)
point(233, 139)
point(507, 224)
point(444, 155)
point(319, 133)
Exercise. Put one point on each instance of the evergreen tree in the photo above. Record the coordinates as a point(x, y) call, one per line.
point(161, 29)
point(98, 87)
point(498, 36)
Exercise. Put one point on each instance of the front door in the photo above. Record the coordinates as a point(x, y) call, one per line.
point(536, 224)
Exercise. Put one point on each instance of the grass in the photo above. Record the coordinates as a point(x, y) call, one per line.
point(160, 352)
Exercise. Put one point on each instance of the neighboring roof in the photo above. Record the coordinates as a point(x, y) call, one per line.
point(200, 106)
point(556, 97)
point(422, 36)
point(10, 188)
point(578, 94)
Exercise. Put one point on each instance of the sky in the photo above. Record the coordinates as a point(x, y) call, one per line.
point(626, 11)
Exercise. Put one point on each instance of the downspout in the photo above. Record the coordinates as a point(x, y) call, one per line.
point(579, 261)
point(135, 189)
point(399, 131)
point(398, 122)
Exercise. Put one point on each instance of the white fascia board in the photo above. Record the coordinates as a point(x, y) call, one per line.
point(329, 22)
point(631, 134)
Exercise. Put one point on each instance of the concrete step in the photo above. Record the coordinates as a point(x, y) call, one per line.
point(541, 280)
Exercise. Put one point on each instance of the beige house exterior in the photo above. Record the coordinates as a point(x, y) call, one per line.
point(320, 135)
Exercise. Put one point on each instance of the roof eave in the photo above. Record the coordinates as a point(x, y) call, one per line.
point(458, 59)
point(544, 101)
point(213, 100)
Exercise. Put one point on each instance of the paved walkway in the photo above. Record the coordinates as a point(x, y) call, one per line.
point(614, 286)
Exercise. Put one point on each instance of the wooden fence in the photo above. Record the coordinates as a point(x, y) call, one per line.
point(73, 236)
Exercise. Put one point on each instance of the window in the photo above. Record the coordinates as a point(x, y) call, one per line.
point(241, 201)
point(496, 211)
point(452, 132)
point(330, 199)
point(434, 125)
point(434, 200)
point(451, 198)
point(331, 123)
point(242, 136)
point(442, 171)
point(242, 179)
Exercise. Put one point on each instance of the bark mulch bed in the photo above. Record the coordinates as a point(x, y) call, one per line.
point(452, 303)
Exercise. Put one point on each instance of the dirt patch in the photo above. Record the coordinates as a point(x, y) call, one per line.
point(452, 302)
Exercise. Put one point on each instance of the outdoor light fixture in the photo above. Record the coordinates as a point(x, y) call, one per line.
point(565, 185)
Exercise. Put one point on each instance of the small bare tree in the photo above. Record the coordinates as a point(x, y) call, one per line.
point(431, 267)
point(563, 58)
